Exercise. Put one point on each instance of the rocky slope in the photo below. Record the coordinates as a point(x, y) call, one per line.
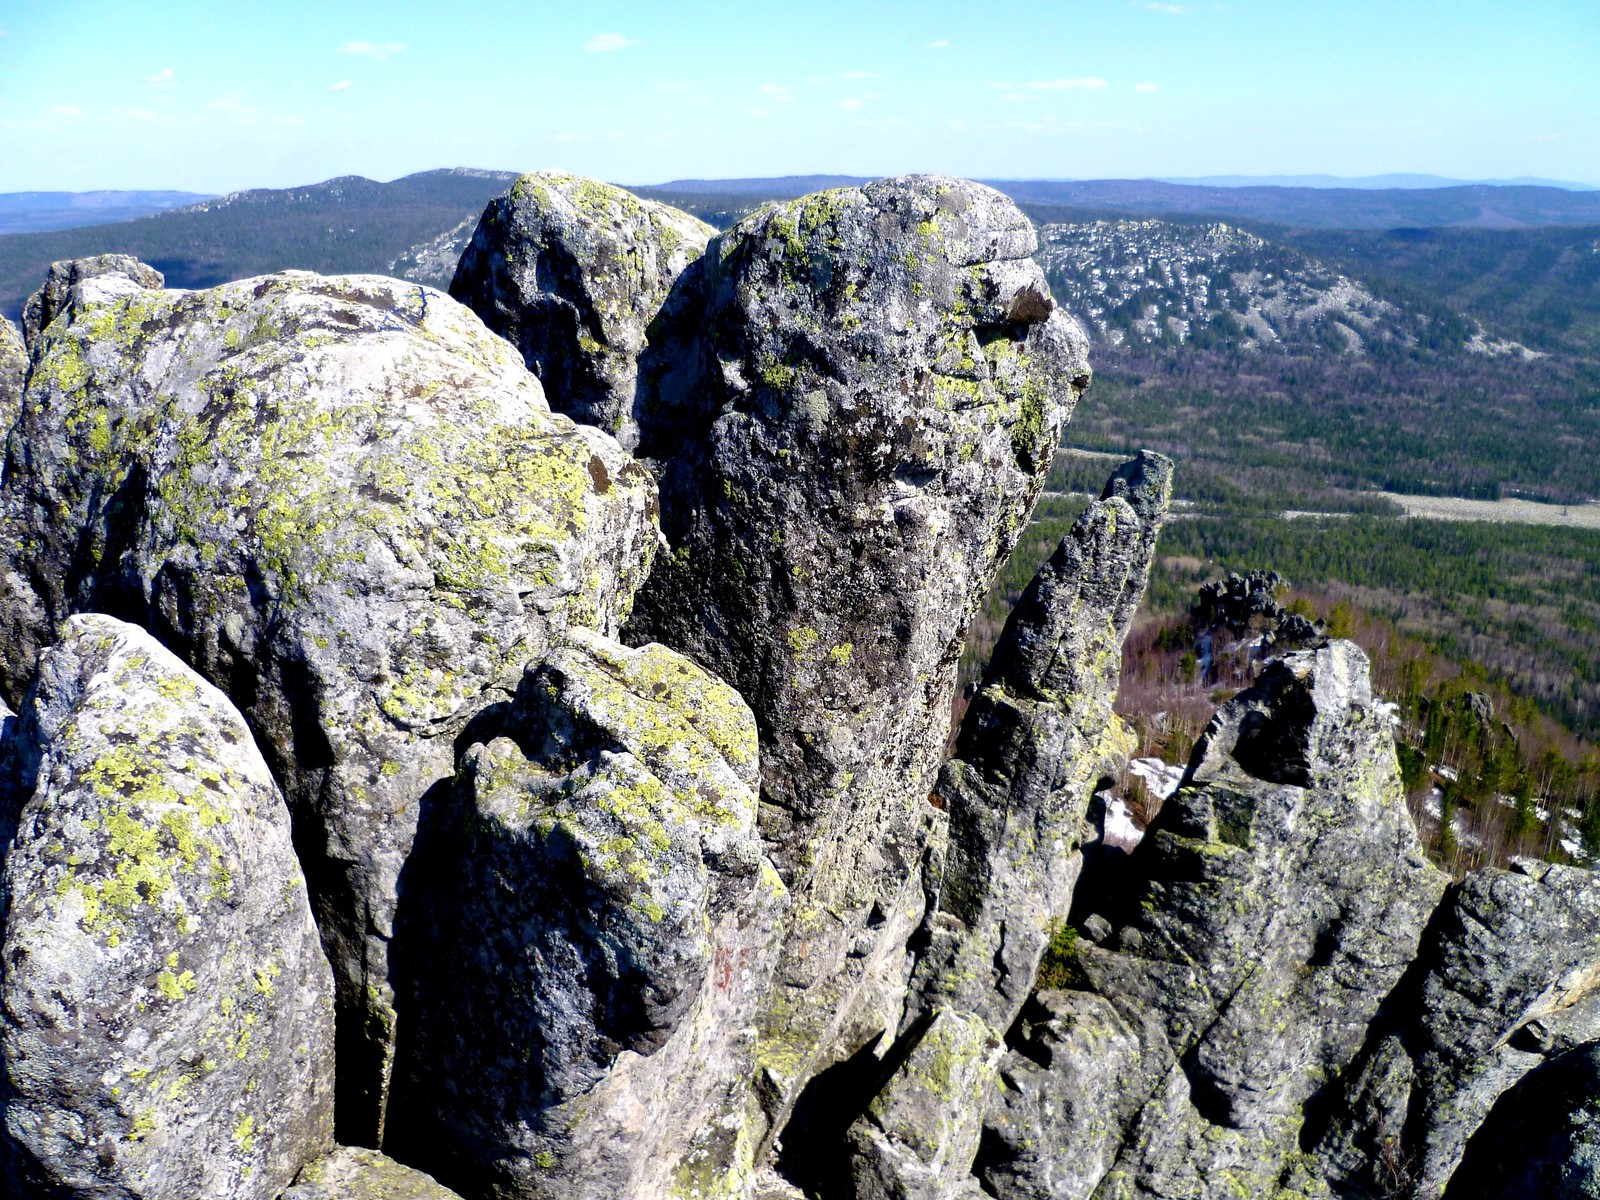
point(604, 754)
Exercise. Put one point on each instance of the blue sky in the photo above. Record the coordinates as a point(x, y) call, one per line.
point(226, 94)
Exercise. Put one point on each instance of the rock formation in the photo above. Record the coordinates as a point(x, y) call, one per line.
point(168, 1010)
point(685, 898)
point(344, 502)
point(572, 272)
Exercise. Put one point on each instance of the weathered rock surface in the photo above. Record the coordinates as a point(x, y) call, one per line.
point(868, 390)
point(572, 271)
point(168, 1009)
point(343, 501)
point(610, 933)
point(96, 280)
point(1037, 737)
point(1509, 978)
point(1268, 913)
point(352, 1173)
point(13, 372)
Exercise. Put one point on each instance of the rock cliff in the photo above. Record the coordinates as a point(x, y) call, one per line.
point(562, 803)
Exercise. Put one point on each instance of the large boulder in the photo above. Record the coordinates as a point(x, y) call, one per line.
point(83, 281)
point(346, 503)
point(168, 1009)
point(572, 272)
point(354, 1173)
point(609, 923)
point(865, 394)
point(1261, 925)
point(1036, 739)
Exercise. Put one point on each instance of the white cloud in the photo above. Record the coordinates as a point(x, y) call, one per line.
point(941, 44)
point(164, 78)
point(858, 75)
point(67, 110)
point(342, 85)
point(608, 43)
point(850, 104)
point(774, 89)
point(1145, 87)
point(377, 50)
point(1013, 96)
point(1087, 83)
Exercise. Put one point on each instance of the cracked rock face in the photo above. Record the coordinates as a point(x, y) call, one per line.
point(1269, 911)
point(609, 932)
point(865, 392)
point(168, 1008)
point(572, 271)
point(74, 281)
point(13, 372)
point(346, 503)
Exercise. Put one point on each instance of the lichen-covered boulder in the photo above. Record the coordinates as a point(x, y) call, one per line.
point(1264, 920)
point(345, 502)
point(605, 931)
point(1037, 737)
point(354, 1173)
point(1508, 980)
point(13, 372)
point(168, 1025)
point(867, 389)
point(572, 271)
point(83, 280)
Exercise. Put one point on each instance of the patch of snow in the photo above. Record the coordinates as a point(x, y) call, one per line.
point(1161, 778)
point(1120, 830)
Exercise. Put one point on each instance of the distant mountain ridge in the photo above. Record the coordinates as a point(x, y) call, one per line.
point(38, 212)
point(1399, 181)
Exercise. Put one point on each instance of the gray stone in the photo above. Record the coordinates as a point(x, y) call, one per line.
point(609, 931)
point(88, 280)
point(168, 1009)
point(1266, 917)
point(344, 501)
point(867, 392)
point(353, 1173)
point(13, 373)
point(572, 272)
point(1037, 737)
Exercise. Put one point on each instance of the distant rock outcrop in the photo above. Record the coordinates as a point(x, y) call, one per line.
point(572, 271)
point(346, 503)
point(168, 1025)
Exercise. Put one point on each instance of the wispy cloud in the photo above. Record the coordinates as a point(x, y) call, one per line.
point(164, 78)
point(67, 110)
point(851, 103)
point(858, 74)
point(609, 43)
point(1086, 83)
point(239, 113)
point(342, 85)
point(377, 50)
point(940, 44)
point(1145, 87)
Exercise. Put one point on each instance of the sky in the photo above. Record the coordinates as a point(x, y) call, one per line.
point(230, 94)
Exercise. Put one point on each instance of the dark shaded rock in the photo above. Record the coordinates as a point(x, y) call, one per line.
point(572, 272)
point(95, 280)
point(1269, 911)
point(168, 1010)
point(351, 1173)
point(866, 405)
point(1239, 602)
point(344, 501)
point(609, 930)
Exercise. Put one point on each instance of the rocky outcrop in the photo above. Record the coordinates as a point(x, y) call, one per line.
point(352, 1173)
point(13, 372)
point(870, 387)
point(346, 503)
point(83, 281)
point(609, 922)
point(1037, 737)
point(1268, 913)
point(572, 272)
point(168, 1010)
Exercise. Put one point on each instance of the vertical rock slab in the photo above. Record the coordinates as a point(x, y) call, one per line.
point(1037, 737)
point(1508, 981)
point(83, 280)
point(13, 373)
point(1268, 914)
point(571, 272)
point(168, 1010)
point(345, 502)
point(873, 385)
point(605, 934)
